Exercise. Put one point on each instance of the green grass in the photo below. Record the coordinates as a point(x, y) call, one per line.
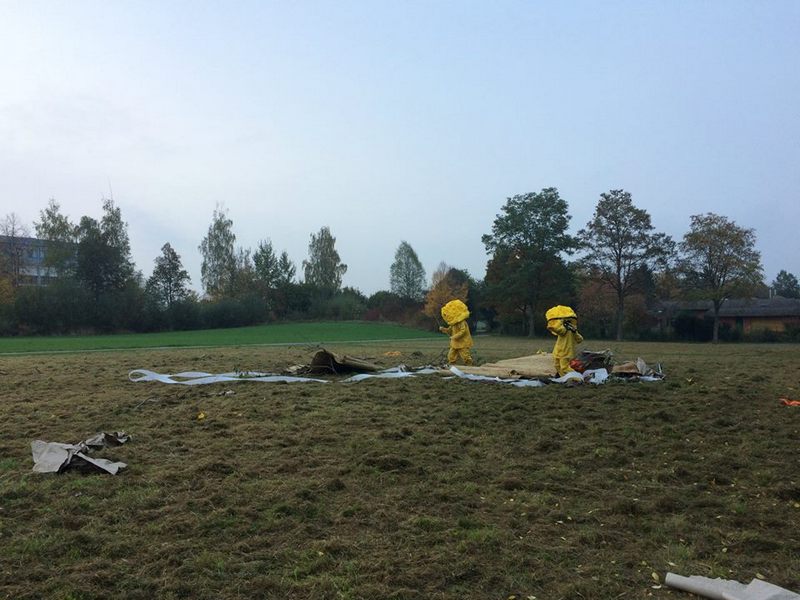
point(282, 333)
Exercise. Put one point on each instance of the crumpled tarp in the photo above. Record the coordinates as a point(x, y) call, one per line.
point(55, 457)
point(725, 589)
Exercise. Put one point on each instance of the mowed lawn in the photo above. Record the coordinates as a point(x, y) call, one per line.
point(423, 488)
point(279, 333)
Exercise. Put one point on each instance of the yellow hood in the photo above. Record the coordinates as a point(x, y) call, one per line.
point(560, 312)
point(455, 311)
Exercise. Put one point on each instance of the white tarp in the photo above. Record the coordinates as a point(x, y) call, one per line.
point(594, 376)
point(725, 589)
point(200, 378)
point(54, 457)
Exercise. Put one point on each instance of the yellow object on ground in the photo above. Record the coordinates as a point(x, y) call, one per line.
point(562, 322)
point(455, 313)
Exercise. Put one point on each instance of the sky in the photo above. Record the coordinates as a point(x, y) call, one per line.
point(391, 121)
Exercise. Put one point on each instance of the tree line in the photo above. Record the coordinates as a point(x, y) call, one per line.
point(614, 270)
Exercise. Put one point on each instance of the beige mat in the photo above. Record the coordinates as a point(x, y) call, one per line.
point(537, 365)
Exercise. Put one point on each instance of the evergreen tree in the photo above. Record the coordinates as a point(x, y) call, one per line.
point(407, 276)
point(169, 281)
point(266, 265)
point(286, 270)
point(324, 268)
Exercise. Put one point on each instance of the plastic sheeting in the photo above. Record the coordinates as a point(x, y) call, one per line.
point(55, 457)
point(201, 378)
point(594, 376)
point(725, 589)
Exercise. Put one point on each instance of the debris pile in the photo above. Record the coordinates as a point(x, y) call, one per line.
point(530, 371)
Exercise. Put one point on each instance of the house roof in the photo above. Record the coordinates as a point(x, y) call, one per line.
point(777, 306)
point(760, 307)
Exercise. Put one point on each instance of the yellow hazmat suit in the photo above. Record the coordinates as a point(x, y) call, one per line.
point(562, 322)
point(455, 314)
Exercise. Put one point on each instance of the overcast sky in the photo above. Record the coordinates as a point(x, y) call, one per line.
point(391, 121)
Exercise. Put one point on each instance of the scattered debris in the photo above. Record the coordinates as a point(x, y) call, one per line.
point(588, 360)
point(528, 371)
point(637, 368)
point(55, 457)
point(726, 589)
point(325, 361)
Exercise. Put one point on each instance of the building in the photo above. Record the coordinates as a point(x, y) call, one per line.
point(22, 259)
point(747, 315)
point(750, 315)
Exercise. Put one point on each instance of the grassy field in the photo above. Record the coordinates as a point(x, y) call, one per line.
point(281, 333)
point(422, 488)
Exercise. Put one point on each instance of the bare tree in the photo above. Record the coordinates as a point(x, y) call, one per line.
point(12, 247)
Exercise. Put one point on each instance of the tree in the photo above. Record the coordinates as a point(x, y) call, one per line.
point(61, 235)
point(406, 275)
point(243, 282)
point(528, 239)
point(324, 269)
point(786, 285)
point(218, 268)
point(115, 231)
point(286, 270)
point(719, 259)
point(12, 248)
point(266, 265)
point(169, 281)
point(619, 242)
point(103, 260)
point(446, 284)
point(597, 305)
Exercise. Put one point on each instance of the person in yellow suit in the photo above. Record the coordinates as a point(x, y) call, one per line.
point(455, 314)
point(562, 322)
